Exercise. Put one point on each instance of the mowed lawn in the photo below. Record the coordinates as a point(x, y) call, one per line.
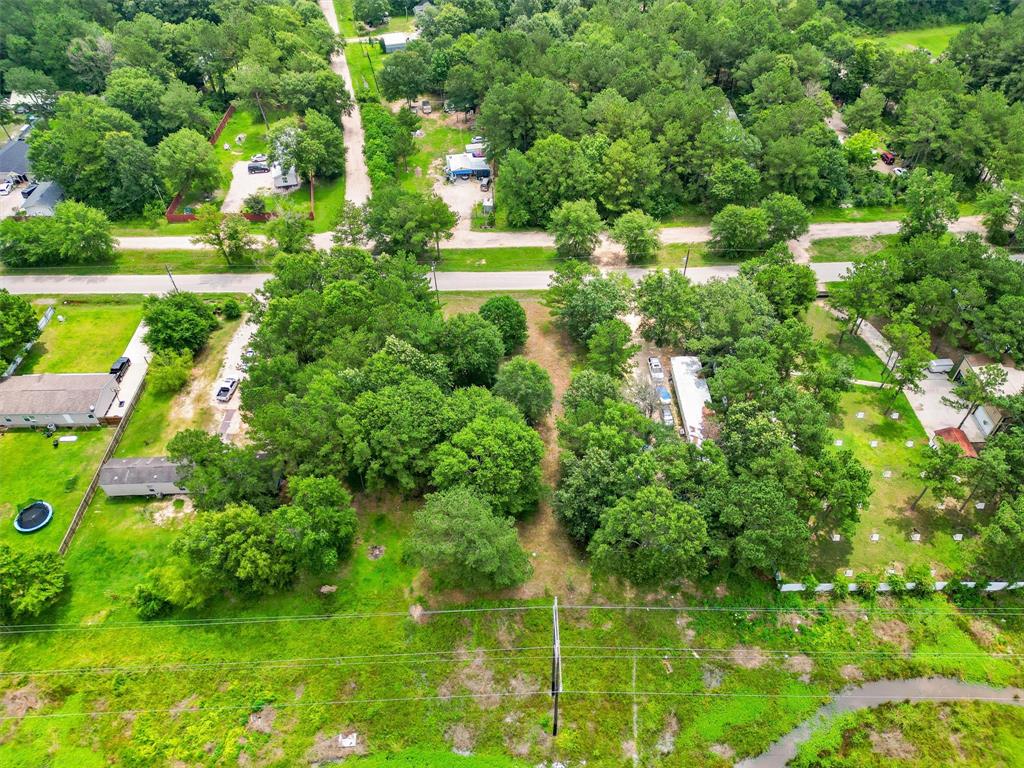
point(866, 365)
point(830, 249)
point(439, 139)
point(497, 259)
point(932, 39)
point(31, 469)
point(90, 337)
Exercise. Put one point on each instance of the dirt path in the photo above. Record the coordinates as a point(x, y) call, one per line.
point(869, 695)
point(357, 180)
point(557, 568)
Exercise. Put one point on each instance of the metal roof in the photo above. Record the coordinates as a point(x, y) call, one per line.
point(44, 198)
point(155, 469)
point(53, 392)
point(14, 157)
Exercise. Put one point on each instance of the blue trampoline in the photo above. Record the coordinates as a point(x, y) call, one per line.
point(33, 517)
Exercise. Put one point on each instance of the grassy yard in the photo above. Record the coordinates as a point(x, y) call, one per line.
point(866, 365)
point(849, 248)
point(673, 256)
point(687, 216)
point(32, 469)
point(89, 339)
point(346, 22)
point(364, 59)
point(497, 259)
point(160, 416)
point(933, 39)
point(150, 263)
point(824, 215)
point(438, 140)
point(921, 735)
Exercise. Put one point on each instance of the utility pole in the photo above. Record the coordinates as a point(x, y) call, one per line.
point(556, 665)
point(168, 268)
point(686, 263)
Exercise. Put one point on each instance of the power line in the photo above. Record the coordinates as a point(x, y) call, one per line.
point(277, 705)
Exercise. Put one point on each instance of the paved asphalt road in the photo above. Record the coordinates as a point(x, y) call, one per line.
point(470, 239)
point(56, 285)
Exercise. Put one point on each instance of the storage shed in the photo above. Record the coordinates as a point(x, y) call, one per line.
point(151, 476)
point(465, 166)
point(692, 395)
point(395, 41)
point(64, 399)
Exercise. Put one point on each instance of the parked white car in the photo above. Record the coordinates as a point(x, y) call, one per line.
point(226, 388)
point(657, 372)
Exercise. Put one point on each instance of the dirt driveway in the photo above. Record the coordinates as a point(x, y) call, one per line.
point(12, 202)
point(461, 196)
point(227, 416)
point(244, 184)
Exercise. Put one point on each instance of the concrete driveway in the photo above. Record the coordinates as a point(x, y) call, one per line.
point(244, 184)
point(12, 202)
point(138, 353)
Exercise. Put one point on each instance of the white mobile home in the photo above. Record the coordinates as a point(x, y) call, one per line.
point(692, 395)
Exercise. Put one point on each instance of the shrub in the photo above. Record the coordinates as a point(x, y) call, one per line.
point(867, 585)
point(897, 583)
point(231, 309)
point(921, 576)
point(255, 204)
point(169, 371)
point(509, 317)
point(29, 582)
point(177, 321)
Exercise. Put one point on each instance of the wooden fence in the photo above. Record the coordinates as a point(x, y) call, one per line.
point(83, 505)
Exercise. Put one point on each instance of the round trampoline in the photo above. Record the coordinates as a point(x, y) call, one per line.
point(33, 517)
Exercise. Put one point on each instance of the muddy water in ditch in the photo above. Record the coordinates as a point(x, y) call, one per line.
point(869, 695)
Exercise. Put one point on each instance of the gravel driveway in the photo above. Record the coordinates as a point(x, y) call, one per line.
point(244, 184)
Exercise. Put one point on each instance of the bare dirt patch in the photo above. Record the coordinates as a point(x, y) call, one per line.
point(712, 677)
point(331, 749)
point(184, 705)
point(522, 684)
point(792, 620)
point(169, 511)
point(892, 631)
point(800, 664)
point(461, 738)
point(262, 721)
point(984, 632)
point(851, 673)
point(666, 743)
point(748, 657)
point(507, 631)
point(682, 622)
point(629, 750)
point(724, 751)
point(19, 702)
point(892, 744)
point(476, 678)
point(375, 552)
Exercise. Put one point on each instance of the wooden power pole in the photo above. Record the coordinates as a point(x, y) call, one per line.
point(556, 665)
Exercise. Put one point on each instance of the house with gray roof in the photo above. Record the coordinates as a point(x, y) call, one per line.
point(14, 158)
point(43, 199)
point(64, 399)
point(149, 476)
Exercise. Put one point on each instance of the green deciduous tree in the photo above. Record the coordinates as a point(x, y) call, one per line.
point(788, 218)
point(638, 234)
point(227, 233)
point(738, 232)
point(18, 326)
point(650, 538)
point(398, 221)
point(931, 204)
point(75, 234)
point(576, 226)
point(509, 317)
point(610, 349)
point(217, 474)
point(464, 544)
point(177, 321)
point(595, 300)
point(665, 300)
point(527, 386)
point(940, 467)
point(186, 159)
point(473, 348)
point(498, 457)
point(291, 232)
